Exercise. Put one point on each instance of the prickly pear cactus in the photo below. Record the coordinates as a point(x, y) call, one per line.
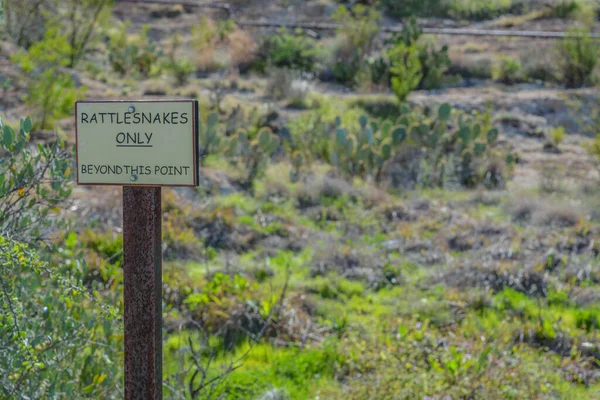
point(251, 155)
point(451, 143)
point(209, 138)
point(297, 161)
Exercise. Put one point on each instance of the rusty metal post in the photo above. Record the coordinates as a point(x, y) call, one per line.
point(143, 292)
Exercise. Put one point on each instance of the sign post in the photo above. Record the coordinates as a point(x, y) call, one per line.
point(140, 145)
point(142, 292)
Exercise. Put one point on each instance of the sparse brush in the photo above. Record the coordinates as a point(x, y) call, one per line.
point(357, 39)
point(180, 68)
point(206, 37)
point(252, 155)
point(557, 136)
point(577, 57)
point(137, 55)
point(279, 86)
point(290, 50)
point(507, 70)
point(51, 92)
point(242, 50)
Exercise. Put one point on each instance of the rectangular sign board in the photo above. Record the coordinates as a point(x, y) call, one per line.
point(137, 143)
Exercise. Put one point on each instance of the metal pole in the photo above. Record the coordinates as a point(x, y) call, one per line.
point(143, 292)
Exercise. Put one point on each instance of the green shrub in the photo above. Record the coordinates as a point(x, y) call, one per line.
point(138, 55)
point(415, 8)
point(55, 341)
point(577, 58)
point(557, 136)
point(379, 70)
point(33, 182)
point(482, 9)
point(565, 8)
point(51, 92)
point(28, 20)
point(414, 64)
point(507, 70)
point(357, 35)
point(583, 10)
point(180, 68)
point(291, 50)
point(405, 69)
point(56, 338)
point(80, 20)
point(24, 21)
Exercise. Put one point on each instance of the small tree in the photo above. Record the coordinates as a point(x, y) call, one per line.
point(28, 20)
point(51, 90)
point(25, 22)
point(81, 18)
point(405, 69)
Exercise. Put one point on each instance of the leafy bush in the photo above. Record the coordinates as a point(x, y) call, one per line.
point(415, 8)
point(358, 32)
point(557, 136)
point(80, 20)
point(52, 343)
point(51, 92)
point(507, 70)
point(25, 21)
point(458, 9)
point(565, 8)
point(208, 35)
point(294, 51)
point(180, 68)
point(482, 9)
point(405, 69)
point(577, 58)
point(32, 182)
point(138, 55)
point(415, 64)
point(582, 10)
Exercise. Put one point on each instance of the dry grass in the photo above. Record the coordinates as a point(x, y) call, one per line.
point(242, 49)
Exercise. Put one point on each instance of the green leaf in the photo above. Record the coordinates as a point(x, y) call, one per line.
point(492, 136)
point(510, 159)
point(8, 135)
point(479, 149)
point(340, 136)
point(363, 121)
point(465, 134)
point(212, 119)
point(386, 150)
point(398, 136)
point(444, 111)
point(27, 125)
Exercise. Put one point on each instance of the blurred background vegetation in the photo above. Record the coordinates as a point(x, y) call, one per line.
point(380, 216)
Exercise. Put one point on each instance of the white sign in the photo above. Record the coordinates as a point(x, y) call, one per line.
point(147, 143)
